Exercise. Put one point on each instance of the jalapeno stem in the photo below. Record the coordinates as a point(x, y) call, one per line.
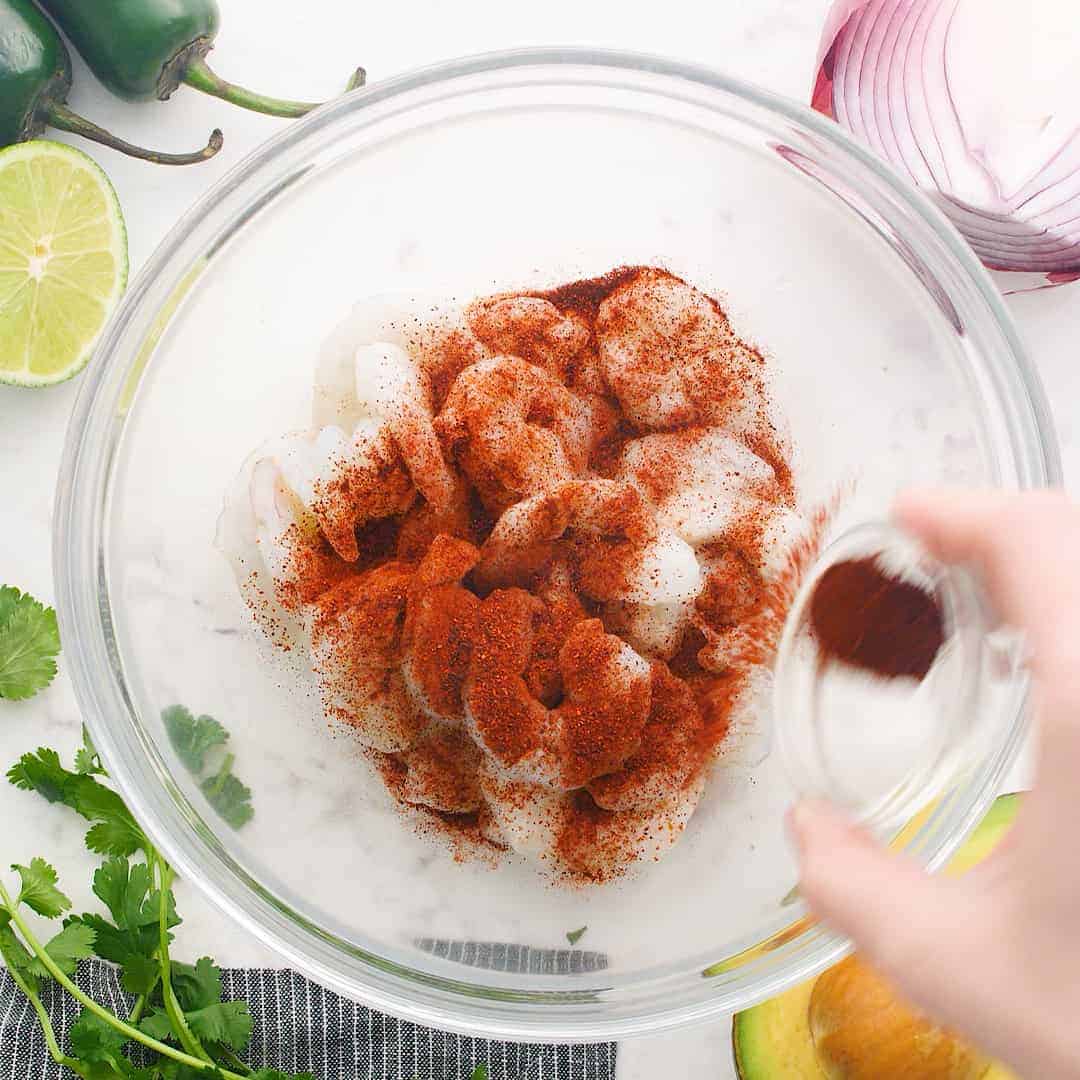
point(198, 74)
point(60, 116)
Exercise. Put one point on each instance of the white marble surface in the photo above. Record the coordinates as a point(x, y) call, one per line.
point(308, 51)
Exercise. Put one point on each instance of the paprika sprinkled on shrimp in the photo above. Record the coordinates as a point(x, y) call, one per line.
point(539, 548)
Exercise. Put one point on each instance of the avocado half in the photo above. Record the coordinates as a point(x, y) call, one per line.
point(772, 1041)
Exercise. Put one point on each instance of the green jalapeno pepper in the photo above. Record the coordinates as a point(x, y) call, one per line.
point(35, 77)
point(144, 49)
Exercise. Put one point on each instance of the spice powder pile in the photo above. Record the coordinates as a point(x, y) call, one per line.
point(867, 618)
point(538, 549)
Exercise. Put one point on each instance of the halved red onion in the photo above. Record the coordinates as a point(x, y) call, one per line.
point(978, 103)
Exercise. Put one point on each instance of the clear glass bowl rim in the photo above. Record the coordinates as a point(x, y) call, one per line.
point(468, 1007)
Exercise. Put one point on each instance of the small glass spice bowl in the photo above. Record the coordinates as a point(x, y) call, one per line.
point(882, 745)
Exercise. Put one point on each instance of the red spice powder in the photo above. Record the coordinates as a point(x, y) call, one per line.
point(312, 567)
point(585, 296)
point(863, 616)
point(445, 357)
point(671, 750)
point(531, 328)
point(599, 733)
point(468, 833)
point(440, 623)
point(508, 718)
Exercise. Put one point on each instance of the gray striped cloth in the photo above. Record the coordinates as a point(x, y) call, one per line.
point(299, 1027)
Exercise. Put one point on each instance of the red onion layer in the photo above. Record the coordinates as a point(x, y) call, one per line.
point(883, 73)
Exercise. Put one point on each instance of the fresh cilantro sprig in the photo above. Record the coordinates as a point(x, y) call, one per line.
point(186, 1030)
point(179, 1016)
point(113, 830)
point(29, 643)
point(195, 740)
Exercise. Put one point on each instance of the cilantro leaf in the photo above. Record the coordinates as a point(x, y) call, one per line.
point(157, 1025)
point(227, 1023)
point(115, 837)
point(14, 954)
point(95, 801)
point(139, 973)
point(42, 772)
point(84, 762)
point(29, 642)
point(94, 1040)
point(574, 936)
point(198, 985)
point(192, 737)
point(228, 796)
point(479, 1073)
point(125, 890)
point(9, 601)
point(134, 951)
point(39, 891)
point(74, 943)
point(87, 760)
point(224, 1023)
point(133, 938)
point(116, 945)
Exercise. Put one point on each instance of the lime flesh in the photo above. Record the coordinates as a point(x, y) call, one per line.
point(63, 260)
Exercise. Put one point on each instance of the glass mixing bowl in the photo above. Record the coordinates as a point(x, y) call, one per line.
point(896, 364)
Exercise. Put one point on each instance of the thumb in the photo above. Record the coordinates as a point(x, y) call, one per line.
point(909, 925)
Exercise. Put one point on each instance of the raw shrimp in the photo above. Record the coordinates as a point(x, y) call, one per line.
point(531, 328)
point(575, 836)
point(356, 651)
point(669, 355)
point(440, 625)
point(273, 544)
point(347, 481)
point(441, 772)
point(515, 430)
point(422, 523)
point(563, 611)
point(736, 609)
point(403, 320)
point(669, 756)
point(700, 480)
point(527, 816)
point(599, 722)
point(388, 410)
point(597, 845)
point(617, 553)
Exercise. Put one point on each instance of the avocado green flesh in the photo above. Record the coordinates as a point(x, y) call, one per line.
point(772, 1041)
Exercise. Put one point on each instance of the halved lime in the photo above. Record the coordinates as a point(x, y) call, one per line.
point(63, 260)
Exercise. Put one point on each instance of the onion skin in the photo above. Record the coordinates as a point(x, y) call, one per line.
point(882, 73)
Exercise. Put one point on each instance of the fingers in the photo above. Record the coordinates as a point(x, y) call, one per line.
point(902, 920)
point(1026, 549)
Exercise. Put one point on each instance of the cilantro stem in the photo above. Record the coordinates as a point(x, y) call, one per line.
point(187, 1037)
point(99, 1010)
point(222, 776)
point(228, 1056)
point(140, 1003)
point(46, 1025)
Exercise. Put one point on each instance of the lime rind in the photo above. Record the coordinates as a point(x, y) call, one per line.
point(63, 261)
